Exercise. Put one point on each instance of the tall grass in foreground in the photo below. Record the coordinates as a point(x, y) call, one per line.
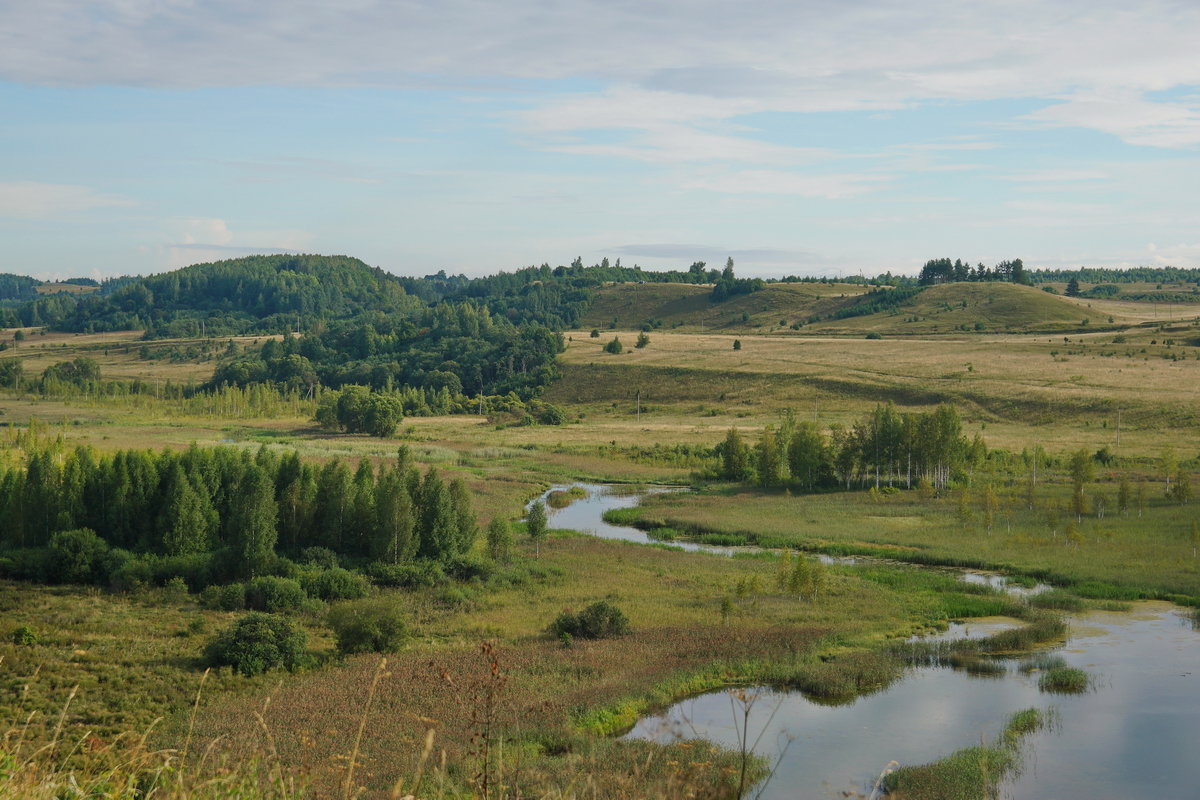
point(973, 773)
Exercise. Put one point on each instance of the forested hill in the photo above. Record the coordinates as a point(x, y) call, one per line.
point(257, 294)
point(17, 287)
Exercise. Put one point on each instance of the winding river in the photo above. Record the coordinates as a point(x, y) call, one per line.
point(1133, 736)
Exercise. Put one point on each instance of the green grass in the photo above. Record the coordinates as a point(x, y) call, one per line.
point(1118, 558)
point(1064, 680)
point(973, 773)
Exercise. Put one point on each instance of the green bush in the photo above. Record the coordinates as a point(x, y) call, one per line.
point(321, 557)
point(420, 573)
point(75, 555)
point(232, 597)
point(335, 584)
point(375, 625)
point(470, 567)
point(600, 620)
point(257, 643)
point(132, 574)
point(24, 636)
point(271, 594)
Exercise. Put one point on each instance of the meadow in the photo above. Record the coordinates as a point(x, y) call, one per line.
point(545, 712)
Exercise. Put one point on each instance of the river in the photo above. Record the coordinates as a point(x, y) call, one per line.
point(1133, 736)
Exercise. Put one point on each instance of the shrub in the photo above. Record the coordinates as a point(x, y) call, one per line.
point(257, 643)
point(874, 335)
point(321, 557)
point(615, 347)
point(232, 597)
point(368, 626)
point(600, 620)
point(420, 573)
point(469, 567)
point(24, 636)
point(271, 594)
point(336, 584)
point(75, 555)
point(192, 568)
point(132, 574)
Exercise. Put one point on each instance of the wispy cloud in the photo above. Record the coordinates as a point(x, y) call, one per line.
point(781, 182)
point(32, 200)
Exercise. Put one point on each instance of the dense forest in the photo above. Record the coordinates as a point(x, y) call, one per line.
point(216, 515)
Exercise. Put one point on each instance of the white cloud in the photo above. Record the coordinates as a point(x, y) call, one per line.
point(1128, 116)
point(31, 200)
point(1179, 255)
point(194, 240)
point(765, 181)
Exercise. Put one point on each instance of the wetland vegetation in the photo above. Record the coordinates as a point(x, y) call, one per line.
point(160, 482)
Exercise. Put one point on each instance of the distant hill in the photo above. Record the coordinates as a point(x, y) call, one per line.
point(257, 294)
point(835, 308)
point(690, 306)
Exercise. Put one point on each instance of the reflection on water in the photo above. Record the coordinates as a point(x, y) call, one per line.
point(1133, 737)
point(586, 514)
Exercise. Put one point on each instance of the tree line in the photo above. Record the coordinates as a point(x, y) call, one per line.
point(885, 447)
point(941, 270)
point(218, 514)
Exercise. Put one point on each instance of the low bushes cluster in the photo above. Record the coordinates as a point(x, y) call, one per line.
point(373, 625)
point(257, 643)
point(600, 620)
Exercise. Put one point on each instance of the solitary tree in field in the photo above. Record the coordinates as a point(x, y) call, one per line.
point(1082, 471)
point(615, 347)
point(499, 540)
point(536, 525)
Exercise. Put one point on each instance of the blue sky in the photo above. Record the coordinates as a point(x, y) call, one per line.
point(800, 138)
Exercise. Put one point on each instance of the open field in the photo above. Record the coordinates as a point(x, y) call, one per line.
point(1149, 549)
point(647, 415)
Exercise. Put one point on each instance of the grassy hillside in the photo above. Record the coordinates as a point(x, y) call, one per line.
point(829, 309)
point(688, 306)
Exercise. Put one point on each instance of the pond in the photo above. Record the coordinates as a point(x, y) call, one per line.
point(1132, 736)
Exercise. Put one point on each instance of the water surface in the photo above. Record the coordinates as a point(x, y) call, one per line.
point(1134, 736)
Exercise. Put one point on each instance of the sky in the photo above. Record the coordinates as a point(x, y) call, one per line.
point(799, 137)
